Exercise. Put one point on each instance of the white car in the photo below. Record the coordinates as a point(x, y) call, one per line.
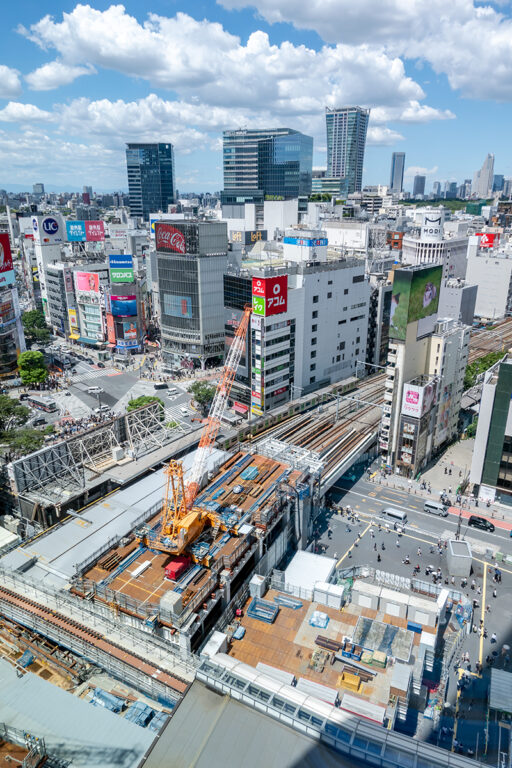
point(183, 410)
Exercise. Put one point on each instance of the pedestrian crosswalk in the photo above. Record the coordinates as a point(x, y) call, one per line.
point(174, 414)
point(93, 373)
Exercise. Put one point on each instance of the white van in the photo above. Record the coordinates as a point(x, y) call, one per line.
point(94, 390)
point(172, 391)
point(436, 508)
point(396, 516)
point(183, 410)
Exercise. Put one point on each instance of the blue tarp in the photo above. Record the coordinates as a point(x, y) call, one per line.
point(101, 698)
point(239, 633)
point(319, 619)
point(26, 660)
point(158, 721)
point(140, 714)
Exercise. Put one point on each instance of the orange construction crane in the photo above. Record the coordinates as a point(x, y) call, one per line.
point(181, 522)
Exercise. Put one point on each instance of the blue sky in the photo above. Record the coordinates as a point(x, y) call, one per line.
point(77, 81)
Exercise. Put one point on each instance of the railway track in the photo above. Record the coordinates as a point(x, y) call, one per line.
point(497, 340)
point(92, 637)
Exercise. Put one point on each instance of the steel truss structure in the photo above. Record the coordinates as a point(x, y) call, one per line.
point(57, 472)
point(287, 453)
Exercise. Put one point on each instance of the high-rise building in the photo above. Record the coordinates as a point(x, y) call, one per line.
point(346, 140)
point(191, 262)
point(436, 189)
point(38, 189)
point(12, 338)
point(418, 187)
point(483, 179)
point(396, 182)
point(266, 164)
point(498, 182)
point(151, 178)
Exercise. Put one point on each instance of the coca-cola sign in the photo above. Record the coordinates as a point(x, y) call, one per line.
point(168, 238)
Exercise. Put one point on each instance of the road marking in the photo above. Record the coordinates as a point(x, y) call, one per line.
point(373, 510)
point(372, 493)
point(353, 545)
point(484, 584)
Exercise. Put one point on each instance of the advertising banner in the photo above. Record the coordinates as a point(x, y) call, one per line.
point(94, 231)
point(248, 236)
point(169, 239)
point(177, 306)
point(75, 231)
point(126, 344)
point(121, 268)
point(130, 330)
point(7, 278)
point(5, 253)
point(415, 296)
point(123, 306)
point(417, 400)
point(73, 318)
point(48, 230)
point(111, 329)
point(432, 226)
point(87, 282)
point(306, 241)
point(488, 239)
point(270, 295)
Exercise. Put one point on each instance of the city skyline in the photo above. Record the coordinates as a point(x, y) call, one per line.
point(70, 100)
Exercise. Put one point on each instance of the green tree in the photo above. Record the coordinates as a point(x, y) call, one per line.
point(23, 441)
point(202, 392)
point(138, 402)
point(479, 366)
point(34, 325)
point(32, 367)
point(12, 414)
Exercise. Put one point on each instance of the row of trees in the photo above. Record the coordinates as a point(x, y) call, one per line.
point(15, 437)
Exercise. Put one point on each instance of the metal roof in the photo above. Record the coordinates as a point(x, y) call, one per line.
point(72, 728)
point(500, 691)
point(233, 734)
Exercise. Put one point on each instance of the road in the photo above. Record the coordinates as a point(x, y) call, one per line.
point(361, 543)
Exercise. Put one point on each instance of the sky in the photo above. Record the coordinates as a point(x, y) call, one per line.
point(78, 81)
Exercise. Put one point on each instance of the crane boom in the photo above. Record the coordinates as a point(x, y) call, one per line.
point(217, 408)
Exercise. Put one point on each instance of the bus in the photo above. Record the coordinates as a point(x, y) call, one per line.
point(42, 404)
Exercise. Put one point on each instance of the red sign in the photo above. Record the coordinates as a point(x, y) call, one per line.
point(275, 292)
point(111, 329)
point(94, 231)
point(240, 407)
point(278, 391)
point(488, 239)
point(168, 238)
point(5, 253)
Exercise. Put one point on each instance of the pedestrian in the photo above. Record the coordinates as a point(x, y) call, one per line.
point(494, 593)
point(419, 552)
point(335, 555)
point(488, 608)
point(382, 546)
point(473, 584)
point(479, 590)
point(375, 546)
point(398, 543)
point(494, 637)
point(378, 558)
point(453, 580)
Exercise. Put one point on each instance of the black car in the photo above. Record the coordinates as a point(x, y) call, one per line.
point(480, 522)
point(101, 365)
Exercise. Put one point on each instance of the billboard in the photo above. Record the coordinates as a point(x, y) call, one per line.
point(75, 231)
point(269, 295)
point(169, 239)
point(417, 399)
point(488, 239)
point(87, 282)
point(121, 268)
point(432, 226)
point(94, 231)
point(308, 242)
point(68, 280)
point(130, 329)
point(5, 253)
point(415, 296)
point(123, 306)
point(73, 318)
point(177, 306)
point(111, 329)
point(247, 236)
point(48, 230)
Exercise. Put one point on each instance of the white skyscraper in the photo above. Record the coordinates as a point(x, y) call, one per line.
point(483, 179)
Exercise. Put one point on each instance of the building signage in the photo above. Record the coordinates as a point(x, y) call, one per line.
point(306, 241)
point(177, 306)
point(269, 295)
point(417, 400)
point(75, 231)
point(130, 330)
point(246, 237)
point(111, 329)
point(121, 268)
point(5, 253)
point(68, 281)
point(94, 231)
point(123, 344)
point(432, 227)
point(170, 239)
point(279, 391)
point(88, 282)
point(488, 239)
point(73, 318)
point(123, 306)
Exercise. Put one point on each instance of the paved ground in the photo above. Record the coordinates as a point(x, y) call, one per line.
point(423, 531)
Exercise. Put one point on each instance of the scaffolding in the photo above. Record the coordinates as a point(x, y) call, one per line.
point(298, 458)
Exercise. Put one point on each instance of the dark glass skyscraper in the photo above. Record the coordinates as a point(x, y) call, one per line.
point(396, 181)
point(261, 164)
point(346, 141)
point(151, 178)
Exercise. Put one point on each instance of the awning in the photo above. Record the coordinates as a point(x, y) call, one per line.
point(111, 346)
point(85, 340)
point(240, 407)
point(74, 336)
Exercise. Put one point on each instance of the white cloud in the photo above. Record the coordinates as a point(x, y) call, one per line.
point(413, 170)
point(10, 84)
point(16, 112)
point(54, 74)
point(381, 135)
point(470, 43)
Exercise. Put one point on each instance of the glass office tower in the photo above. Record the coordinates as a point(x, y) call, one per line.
point(151, 178)
point(346, 140)
point(266, 164)
point(396, 182)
